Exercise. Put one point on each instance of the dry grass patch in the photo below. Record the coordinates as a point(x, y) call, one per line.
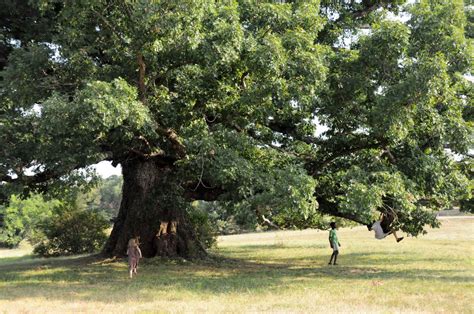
point(277, 272)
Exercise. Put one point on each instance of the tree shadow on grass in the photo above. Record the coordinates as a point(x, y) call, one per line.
point(377, 258)
point(93, 278)
point(253, 247)
point(359, 259)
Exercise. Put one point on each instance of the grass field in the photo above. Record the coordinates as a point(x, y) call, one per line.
point(276, 272)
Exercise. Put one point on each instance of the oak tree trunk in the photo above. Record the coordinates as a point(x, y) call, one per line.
point(148, 201)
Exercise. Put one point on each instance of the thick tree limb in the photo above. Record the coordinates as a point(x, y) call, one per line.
point(200, 192)
point(38, 178)
point(173, 138)
point(169, 133)
point(331, 208)
point(29, 180)
point(368, 9)
point(290, 129)
point(147, 156)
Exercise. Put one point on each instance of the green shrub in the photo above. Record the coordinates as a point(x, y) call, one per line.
point(71, 231)
point(206, 230)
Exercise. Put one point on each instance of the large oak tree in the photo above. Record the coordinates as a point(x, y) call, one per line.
point(227, 101)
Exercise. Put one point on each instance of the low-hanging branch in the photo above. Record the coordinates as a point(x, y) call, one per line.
point(331, 208)
point(193, 192)
point(38, 178)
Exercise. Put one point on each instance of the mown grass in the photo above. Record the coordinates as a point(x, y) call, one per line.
point(275, 272)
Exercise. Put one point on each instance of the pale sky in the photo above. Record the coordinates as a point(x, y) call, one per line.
point(105, 169)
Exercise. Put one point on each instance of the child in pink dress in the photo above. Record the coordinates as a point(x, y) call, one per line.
point(134, 254)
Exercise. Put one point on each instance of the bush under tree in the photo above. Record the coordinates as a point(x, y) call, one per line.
point(71, 231)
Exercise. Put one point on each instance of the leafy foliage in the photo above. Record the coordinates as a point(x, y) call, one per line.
point(204, 227)
point(21, 218)
point(467, 201)
point(71, 231)
point(230, 98)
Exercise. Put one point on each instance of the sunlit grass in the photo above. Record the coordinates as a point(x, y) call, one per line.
point(267, 272)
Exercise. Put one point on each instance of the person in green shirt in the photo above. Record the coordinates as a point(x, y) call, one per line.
point(334, 242)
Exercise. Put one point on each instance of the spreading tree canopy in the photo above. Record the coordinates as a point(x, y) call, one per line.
point(286, 110)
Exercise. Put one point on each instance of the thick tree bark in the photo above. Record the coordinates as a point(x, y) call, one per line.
point(147, 204)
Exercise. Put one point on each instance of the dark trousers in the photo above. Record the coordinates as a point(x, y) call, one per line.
point(386, 222)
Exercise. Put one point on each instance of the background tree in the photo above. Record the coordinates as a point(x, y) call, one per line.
point(20, 218)
point(204, 100)
point(104, 196)
point(110, 190)
point(48, 222)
